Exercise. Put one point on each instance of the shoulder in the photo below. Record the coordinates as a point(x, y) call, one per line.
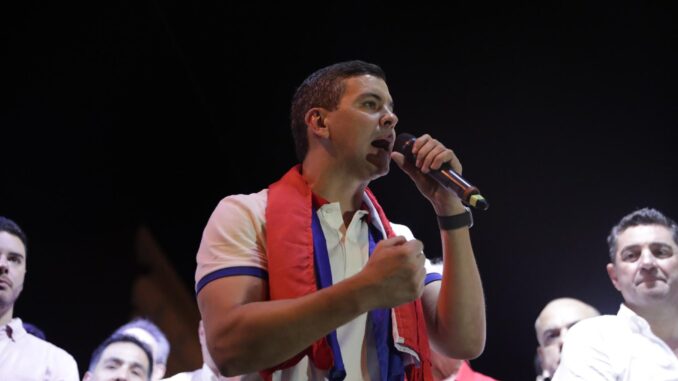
point(253, 203)
point(596, 332)
point(54, 356)
point(593, 349)
point(599, 326)
point(237, 212)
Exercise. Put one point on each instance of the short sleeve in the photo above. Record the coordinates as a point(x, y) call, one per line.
point(233, 241)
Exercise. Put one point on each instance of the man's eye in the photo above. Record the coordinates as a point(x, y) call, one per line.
point(370, 104)
point(663, 251)
point(550, 336)
point(629, 255)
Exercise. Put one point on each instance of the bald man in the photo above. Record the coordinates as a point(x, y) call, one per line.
point(552, 324)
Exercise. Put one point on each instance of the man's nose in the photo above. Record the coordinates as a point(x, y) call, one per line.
point(389, 119)
point(122, 374)
point(647, 259)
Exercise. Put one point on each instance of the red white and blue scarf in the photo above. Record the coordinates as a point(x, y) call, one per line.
point(298, 265)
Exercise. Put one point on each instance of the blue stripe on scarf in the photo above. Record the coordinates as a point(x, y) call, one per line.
point(390, 363)
point(323, 273)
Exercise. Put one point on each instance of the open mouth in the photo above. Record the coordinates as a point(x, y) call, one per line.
point(382, 144)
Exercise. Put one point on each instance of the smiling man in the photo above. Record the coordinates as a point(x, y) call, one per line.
point(22, 355)
point(308, 280)
point(641, 341)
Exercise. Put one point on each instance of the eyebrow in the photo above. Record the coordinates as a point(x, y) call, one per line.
point(650, 244)
point(119, 361)
point(659, 244)
point(115, 360)
point(568, 326)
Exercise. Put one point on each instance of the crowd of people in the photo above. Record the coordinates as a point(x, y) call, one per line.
point(308, 279)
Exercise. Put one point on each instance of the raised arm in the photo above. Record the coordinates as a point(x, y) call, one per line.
point(455, 307)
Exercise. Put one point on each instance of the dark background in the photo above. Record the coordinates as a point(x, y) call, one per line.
point(147, 113)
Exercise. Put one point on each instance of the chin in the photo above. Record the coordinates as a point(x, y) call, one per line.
point(380, 172)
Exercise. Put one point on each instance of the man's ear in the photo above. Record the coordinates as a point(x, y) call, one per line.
point(612, 273)
point(87, 376)
point(315, 120)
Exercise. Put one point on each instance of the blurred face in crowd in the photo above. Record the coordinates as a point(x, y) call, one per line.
point(552, 325)
point(12, 269)
point(121, 361)
point(148, 339)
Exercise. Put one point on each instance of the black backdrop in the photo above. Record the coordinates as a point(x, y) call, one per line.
point(148, 112)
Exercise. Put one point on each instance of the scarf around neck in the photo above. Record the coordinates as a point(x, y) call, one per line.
point(296, 267)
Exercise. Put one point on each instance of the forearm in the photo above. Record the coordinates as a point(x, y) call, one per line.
point(457, 325)
point(257, 335)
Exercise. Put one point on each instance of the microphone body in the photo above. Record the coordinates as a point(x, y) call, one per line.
point(446, 176)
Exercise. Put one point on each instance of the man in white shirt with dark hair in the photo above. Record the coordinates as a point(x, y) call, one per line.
point(640, 343)
point(22, 355)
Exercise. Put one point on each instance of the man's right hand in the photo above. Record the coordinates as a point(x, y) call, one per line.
point(395, 272)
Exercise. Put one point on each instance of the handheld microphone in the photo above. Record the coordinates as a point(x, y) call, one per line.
point(446, 176)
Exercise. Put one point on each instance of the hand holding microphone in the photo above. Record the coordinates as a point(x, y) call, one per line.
point(445, 175)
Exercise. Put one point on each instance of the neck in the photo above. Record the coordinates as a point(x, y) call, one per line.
point(6, 314)
point(333, 184)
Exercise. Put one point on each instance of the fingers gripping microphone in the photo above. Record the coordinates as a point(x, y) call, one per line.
point(469, 194)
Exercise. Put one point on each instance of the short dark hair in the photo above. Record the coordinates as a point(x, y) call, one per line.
point(645, 216)
point(155, 331)
point(120, 338)
point(11, 227)
point(323, 88)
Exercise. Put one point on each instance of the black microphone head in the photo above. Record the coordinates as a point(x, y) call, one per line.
point(403, 144)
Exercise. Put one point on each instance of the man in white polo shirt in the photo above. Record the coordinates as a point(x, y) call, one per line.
point(22, 355)
point(308, 280)
point(640, 343)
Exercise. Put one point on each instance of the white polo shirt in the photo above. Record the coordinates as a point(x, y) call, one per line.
point(620, 347)
point(235, 240)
